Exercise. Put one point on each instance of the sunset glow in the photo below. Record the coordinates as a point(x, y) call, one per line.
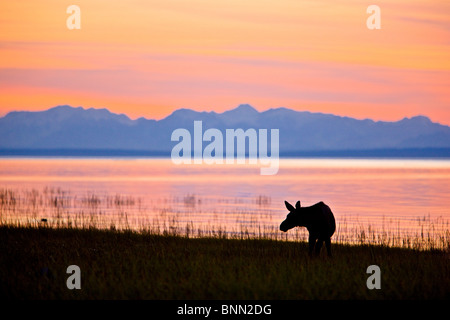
point(149, 58)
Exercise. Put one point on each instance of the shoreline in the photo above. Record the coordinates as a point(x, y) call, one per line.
point(128, 265)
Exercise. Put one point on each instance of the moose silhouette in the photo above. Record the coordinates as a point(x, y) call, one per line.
point(318, 219)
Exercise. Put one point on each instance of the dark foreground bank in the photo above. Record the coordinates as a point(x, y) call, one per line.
point(49, 263)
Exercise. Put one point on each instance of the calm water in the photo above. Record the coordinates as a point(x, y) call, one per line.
point(368, 197)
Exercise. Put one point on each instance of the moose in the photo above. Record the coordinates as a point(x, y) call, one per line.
point(318, 219)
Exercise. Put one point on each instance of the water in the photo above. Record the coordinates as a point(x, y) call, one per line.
point(371, 199)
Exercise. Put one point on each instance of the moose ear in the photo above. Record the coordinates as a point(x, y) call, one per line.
point(289, 206)
point(297, 205)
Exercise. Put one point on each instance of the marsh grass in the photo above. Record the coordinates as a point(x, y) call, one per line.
point(128, 249)
point(191, 217)
point(128, 264)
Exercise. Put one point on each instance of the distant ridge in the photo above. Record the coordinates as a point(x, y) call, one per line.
point(66, 130)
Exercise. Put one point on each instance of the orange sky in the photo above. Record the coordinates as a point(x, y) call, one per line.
point(150, 57)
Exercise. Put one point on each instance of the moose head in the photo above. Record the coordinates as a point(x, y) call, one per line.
point(293, 218)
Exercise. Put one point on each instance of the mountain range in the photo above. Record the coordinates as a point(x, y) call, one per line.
point(66, 130)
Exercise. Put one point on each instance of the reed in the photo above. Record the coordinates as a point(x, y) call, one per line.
point(127, 264)
point(183, 216)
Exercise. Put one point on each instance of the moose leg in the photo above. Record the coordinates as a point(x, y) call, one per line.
point(319, 246)
point(328, 245)
point(312, 243)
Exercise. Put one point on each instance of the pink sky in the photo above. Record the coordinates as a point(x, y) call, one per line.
point(148, 58)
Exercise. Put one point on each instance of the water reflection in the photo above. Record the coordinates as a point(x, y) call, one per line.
point(370, 198)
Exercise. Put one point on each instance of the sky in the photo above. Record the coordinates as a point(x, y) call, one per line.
point(147, 58)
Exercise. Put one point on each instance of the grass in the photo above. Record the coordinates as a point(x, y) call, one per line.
point(138, 265)
point(192, 217)
point(171, 257)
